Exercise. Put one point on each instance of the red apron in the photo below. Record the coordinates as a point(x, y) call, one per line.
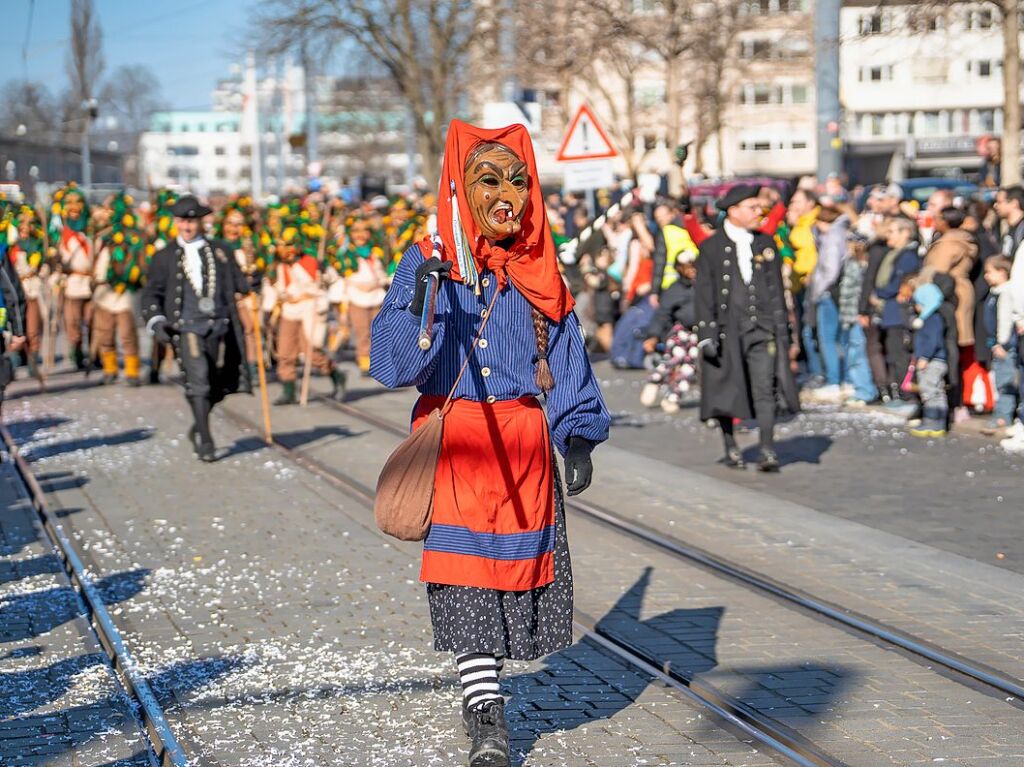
point(493, 523)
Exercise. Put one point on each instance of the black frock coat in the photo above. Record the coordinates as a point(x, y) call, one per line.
point(725, 390)
point(162, 296)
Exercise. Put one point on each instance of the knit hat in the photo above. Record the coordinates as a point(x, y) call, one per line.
point(929, 298)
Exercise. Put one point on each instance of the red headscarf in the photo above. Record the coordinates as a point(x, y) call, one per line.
point(531, 263)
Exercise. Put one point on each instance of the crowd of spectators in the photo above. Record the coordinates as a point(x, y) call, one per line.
point(915, 308)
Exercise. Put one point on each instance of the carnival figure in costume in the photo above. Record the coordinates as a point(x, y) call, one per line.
point(27, 252)
point(235, 227)
point(190, 303)
point(296, 288)
point(496, 558)
point(70, 227)
point(118, 275)
point(161, 231)
point(365, 285)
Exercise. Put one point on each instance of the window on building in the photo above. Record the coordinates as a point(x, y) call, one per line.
point(871, 24)
point(755, 7)
point(877, 125)
point(799, 94)
point(222, 173)
point(876, 74)
point(980, 18)
point(799, 144)
point(987, 120)
point(183, 150)
point(246, 150)
point(756, 49)
point(220, 151)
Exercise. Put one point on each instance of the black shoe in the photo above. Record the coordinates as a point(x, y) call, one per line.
point(287, 396)
point(489, 732)
point(193, 438)
point(734, 458)
point(207, 452)
point(340, 381)
point(154, 376)
point(769, 461)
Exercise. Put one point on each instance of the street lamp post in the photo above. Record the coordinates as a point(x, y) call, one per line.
point(90, 111)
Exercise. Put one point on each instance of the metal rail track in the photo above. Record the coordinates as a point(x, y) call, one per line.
point(164, 746)
point(782, 740)
point(737, 573)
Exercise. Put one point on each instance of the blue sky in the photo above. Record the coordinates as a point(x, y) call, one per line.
point(188, 44)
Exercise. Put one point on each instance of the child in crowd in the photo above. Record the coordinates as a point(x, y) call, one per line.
point(852, 337)
point(1001, 339)
point(930, 360)
point(675, 373)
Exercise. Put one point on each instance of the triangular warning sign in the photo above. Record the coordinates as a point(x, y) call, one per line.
point(585, 139)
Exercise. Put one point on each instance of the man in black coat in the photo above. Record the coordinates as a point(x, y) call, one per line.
point(743, 327)
point(189, 302)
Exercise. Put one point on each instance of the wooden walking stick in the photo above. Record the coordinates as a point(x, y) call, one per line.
point(261, 369)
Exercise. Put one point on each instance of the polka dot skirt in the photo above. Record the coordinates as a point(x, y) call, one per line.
point(521, 625)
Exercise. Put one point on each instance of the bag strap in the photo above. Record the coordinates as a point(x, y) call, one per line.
point(469, 354)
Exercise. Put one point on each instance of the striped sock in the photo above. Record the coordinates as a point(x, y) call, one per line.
point(478, 673)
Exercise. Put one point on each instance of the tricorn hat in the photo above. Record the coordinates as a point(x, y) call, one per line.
point(738, 194)
point(189, 207)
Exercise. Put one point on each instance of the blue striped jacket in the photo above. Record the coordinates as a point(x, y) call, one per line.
point(503, 365)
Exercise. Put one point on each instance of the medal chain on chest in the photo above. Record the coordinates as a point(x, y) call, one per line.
point(206, 302)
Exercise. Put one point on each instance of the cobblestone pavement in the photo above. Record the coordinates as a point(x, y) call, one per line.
point(863, 703)
point(60, 703)
point(279, 628)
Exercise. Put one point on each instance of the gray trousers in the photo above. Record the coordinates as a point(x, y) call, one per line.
point(931, 384)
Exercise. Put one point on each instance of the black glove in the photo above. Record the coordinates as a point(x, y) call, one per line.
point(429, 266)
point(162, 333)
point(709, 350)
point(578, 468)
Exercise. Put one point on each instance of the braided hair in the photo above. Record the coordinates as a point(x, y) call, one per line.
point(545, 380)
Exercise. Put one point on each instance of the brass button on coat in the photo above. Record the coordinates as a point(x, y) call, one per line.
point(483, 343)
point(485, 372)
point(491, 400)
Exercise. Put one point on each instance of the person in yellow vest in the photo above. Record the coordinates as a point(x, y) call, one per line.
point(117, 276)
point(671, 241)
point(801, 215)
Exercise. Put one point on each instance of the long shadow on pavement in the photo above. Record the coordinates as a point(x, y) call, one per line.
point(39, 452)
point(71, 730)
point(801, 449)
point(24, 616)
point(580, 686)
point(290, 439)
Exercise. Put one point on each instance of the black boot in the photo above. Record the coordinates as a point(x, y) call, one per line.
point(769, 461)
point(200, 432)
point(287, 396)
point(734, 457)
point(340, 381)
point(489, 732)
point(78, 358)
point(244, 379)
